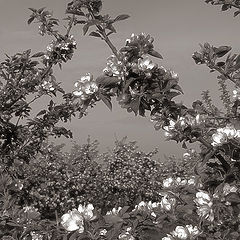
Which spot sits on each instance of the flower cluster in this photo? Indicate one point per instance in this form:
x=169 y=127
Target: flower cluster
x=114 y=211
x=146 y=206
x=126 y=235
x=47 y=86
x=79 y=5
x=142 y=43
x=167 y=203
x=171 y=182
x=227 y=189
x=144 y=65
x=224 y=134
x=36 y=236
x=74 y=220
x=181 y=123
x=183 y=233
x=86 y=87
x=236 y=94
x=116 y=67
x=204 y=204
x=60 y=50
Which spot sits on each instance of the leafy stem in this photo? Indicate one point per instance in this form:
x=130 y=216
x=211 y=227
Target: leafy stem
x=104 y=35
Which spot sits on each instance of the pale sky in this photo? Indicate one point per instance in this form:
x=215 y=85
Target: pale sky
x=178 y=26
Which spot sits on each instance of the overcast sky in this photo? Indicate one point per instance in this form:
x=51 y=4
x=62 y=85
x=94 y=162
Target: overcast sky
x=178 y=26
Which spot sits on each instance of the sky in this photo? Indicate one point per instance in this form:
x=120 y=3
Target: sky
x=177 y=27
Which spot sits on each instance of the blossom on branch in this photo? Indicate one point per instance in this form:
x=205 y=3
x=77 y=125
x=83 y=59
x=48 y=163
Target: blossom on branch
x=86 y=87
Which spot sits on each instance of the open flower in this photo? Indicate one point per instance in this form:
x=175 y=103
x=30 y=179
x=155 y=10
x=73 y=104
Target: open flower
x=236 y=94
x=167 y=203
x=86 y=86
x=168 y=182
x=87 y=211
x=229 y=130
x=204 y=204
x=114 y=211
x=126 y=235
x=206 y=212
x=103 y=232
x=193 y=231
x=218 y=139
x=203 y=198
x=227 y=188
x=174 y=75
x=48 y=86
x=145 y=65
x=223 y=134
x=180 y=232
x=168 y=237
x=73 y=220
x=116 y=67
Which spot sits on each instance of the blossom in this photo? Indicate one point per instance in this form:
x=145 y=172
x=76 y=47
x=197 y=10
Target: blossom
x=236 y=94
x=203 y=198
x=204 y=204
x=186 y=156
x=180 y=232
x=191 y=181
x=229 y=130
x=170 y=129
x=168 y=182
x=168 y=237
x=86 y=86
x=36 y=236
x=206 y=212
x=196 y=121
x=114 y=211
x=141 y=42
x=193 y=231
x=179 y=181
x=116 y=67
x=72 y=221
x=91 y=88
x=46 y=85
x=126 y=235
x=150 y=206
x=30 y=209
x=87 y=211
x=103 y=232
x=174 y=75
x=167 y=203
x=227 y=188
x=223 y=134
x=145 y=65
x=218 y=139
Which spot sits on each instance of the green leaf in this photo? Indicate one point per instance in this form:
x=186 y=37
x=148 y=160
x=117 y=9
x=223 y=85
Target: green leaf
x=39 y=54
x=41 y=9
x=95 y=34
x=30 y=20
x=106 y=99
x=112 y=219
x=225 y=7
x=41 y=112
x=85 y=29
x=221 y=51
x=155 y=54
x=33 y=10
x=233 y=198
x=121 y=17
x=107 y=81
x=134 y=105
x=236 y=13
